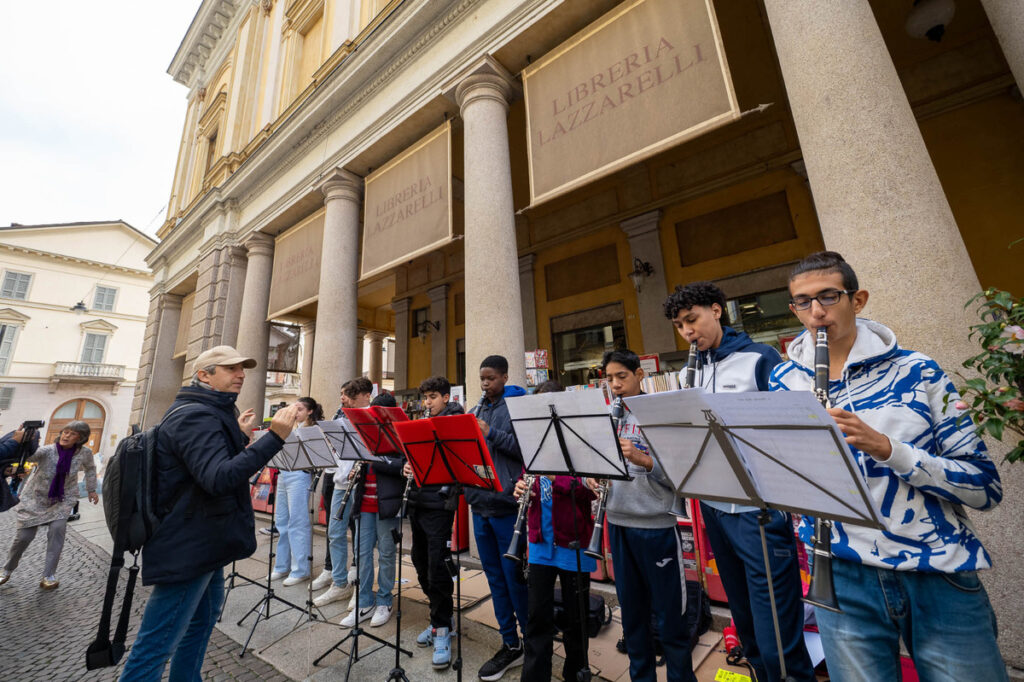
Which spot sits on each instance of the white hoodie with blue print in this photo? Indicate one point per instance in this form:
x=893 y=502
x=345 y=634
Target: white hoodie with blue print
x=937 y=466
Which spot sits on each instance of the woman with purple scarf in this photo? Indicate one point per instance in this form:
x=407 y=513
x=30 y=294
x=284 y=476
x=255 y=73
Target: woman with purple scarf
x=48 y=496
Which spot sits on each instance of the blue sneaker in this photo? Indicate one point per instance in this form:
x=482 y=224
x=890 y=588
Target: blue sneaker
x=442 y=648
x=425 y=638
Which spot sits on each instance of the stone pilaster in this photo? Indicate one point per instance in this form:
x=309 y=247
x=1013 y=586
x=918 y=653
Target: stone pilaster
x=308 y=337
x=494 y=310
x=645 y=244
x=401 y=308
x=254 y=330
x=159 y=375
x=439 y=337
x=360 y=351
x=526 y=286
x=376 y=349
x=1007 y=19
x=217 y=305
x=880 y=204
x=334 y=347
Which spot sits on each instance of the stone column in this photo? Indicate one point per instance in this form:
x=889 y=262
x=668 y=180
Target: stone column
x=163 y=373
x=376 y=339
x=529 y=301
x=1007 y=19
x=360 y=350
x=401 y=308
x=334 y=348
x=253 y=329
x=494 y=309
x=308 y=337
x=880 y=204
x=644 y=243
x=439 y=337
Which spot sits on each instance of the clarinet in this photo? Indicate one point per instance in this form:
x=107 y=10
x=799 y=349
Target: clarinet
x=357 y=471
x=516 y=549
x=694 y=363
x=822 y=592
x=593 y=549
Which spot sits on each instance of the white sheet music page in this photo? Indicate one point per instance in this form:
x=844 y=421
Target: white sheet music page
x=823 y=477
x=676 y=447
x=531 y=420
x=316 y=448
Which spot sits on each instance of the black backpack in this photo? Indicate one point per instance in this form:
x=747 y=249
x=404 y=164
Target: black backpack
x=129 y=505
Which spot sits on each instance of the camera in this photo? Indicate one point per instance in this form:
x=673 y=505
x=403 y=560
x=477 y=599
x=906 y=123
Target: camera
x=33 y=424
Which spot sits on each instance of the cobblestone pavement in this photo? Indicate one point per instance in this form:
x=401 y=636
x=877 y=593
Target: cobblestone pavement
x=44 y=634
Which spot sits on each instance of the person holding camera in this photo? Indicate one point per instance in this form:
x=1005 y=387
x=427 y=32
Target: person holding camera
x=203 y=462
x=48 y=495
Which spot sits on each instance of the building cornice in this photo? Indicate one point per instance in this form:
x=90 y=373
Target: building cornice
x=14 y=248
x=208 y=27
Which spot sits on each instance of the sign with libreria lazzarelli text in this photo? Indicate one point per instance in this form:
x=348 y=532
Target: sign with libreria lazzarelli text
x=409 y=204
x=644 y=77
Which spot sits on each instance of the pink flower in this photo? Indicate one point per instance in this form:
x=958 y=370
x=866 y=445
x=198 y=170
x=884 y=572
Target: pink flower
x=960 y=405
x=1014 y=336
x=1014 y=404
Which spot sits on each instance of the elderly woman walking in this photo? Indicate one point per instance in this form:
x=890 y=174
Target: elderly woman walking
x=48 y=496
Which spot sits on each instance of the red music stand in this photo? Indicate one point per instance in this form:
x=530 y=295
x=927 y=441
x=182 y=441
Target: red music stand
x=450 y=451
x=376 y=427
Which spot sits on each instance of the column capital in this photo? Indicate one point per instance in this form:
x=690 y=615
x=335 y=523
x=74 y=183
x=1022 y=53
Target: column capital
x=339 y=183
x=259 y=244
x=400 y=305
x=526 y=263
x=308 y=327
x=170 y=301
x=641 y=224
x=484 y=79
x=438 y=294
x=375 y=336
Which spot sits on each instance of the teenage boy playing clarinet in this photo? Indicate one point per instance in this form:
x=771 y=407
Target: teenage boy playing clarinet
x=431 y=513
x=916 y=579
x=732 y=362
x=649 y=575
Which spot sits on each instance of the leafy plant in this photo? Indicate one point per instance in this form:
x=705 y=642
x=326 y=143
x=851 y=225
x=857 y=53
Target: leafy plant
x=995 y=399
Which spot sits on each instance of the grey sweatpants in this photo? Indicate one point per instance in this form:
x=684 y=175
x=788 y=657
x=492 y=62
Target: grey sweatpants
x=54 y=545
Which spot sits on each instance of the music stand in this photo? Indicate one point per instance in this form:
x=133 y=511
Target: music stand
x=307 y=449
x=570 y=434
x=450 y=450
x=362 y=435
x=230 y=577
x=771 y=450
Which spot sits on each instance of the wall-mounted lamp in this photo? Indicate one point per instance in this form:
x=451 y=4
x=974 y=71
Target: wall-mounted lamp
x=641 y=269
x=79 y=308
x=427 y=327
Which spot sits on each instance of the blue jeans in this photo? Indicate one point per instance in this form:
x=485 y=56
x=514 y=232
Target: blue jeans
x=177 y=623
x=945 y=620
x=736 y=542
x=376 y=532
x=336 y=531
x=508 y=595
x=291 y=516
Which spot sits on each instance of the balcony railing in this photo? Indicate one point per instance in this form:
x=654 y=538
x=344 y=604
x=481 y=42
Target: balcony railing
x=88 y=371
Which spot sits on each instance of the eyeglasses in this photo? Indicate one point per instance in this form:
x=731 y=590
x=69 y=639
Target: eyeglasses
x=825 y=298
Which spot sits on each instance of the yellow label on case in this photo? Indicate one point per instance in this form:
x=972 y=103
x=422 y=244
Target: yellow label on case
x=729 y=676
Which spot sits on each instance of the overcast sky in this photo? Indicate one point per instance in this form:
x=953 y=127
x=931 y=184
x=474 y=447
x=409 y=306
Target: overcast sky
x=90 y=120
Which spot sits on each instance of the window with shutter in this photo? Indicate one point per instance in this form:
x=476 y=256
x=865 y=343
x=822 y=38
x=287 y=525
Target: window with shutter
x=7 y=334
x=92 y=351
x=15 y=285
x=104 y=299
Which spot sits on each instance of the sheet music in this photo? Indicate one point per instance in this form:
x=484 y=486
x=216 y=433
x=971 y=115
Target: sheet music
x=589 y=438
x=345 y=441
x=315 y=447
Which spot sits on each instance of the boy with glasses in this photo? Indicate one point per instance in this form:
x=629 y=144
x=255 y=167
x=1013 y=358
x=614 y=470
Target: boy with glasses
x=916 y=579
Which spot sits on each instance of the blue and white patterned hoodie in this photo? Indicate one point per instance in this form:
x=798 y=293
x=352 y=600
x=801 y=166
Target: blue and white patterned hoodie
x=937 y=467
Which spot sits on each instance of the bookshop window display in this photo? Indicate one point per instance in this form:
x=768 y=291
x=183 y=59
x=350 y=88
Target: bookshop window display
x=765 y=317
x=578 y=352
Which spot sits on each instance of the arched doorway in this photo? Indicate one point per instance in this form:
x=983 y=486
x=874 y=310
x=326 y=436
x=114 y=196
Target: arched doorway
x=83 y=409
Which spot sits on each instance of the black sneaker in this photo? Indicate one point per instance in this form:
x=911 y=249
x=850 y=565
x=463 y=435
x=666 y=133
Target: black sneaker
x=506 y=658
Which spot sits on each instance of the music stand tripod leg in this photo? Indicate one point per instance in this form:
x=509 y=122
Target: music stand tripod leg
x=762 y=520
x=398 y=672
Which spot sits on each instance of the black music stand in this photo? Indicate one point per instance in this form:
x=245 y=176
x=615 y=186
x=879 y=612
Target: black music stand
x=452 y=451
x=761 y=449
x=306 y=449
x=351 y=438
x=230 y=577
x=570 y=434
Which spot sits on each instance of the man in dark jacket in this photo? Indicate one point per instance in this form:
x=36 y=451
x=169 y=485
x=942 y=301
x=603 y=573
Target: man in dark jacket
x=494 y=516
x=431 y=513
x=203 y=469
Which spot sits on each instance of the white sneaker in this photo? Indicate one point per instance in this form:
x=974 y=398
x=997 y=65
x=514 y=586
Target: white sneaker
x=323 y=580
x=352 y=574
x=277 y=575
x=349 y=621
x=295 y=580
x=352 y=602
x=381 y=615
x=333 y=594
x=5 y=575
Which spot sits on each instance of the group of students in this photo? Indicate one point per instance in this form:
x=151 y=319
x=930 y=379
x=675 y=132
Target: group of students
x=915 y=580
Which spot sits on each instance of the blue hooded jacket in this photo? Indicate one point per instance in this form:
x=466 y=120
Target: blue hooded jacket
x=505 y=453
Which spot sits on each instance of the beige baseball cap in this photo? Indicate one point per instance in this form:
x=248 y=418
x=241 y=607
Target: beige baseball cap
x=222 y=356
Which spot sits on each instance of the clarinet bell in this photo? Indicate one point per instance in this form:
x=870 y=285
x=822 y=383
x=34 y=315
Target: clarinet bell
x=821 y=593
x=593 y=550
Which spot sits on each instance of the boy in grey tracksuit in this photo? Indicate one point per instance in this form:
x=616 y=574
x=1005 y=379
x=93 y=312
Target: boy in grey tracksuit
x=649 y=575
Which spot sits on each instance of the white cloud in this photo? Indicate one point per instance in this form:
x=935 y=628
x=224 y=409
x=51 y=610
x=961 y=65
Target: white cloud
x=90 y=120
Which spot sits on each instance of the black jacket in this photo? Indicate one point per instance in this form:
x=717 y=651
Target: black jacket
x=435 y=496
x=203 y=470
x=390 y=486
x=505 y=453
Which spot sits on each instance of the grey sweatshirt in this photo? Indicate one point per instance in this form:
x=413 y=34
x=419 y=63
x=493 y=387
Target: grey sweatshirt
x=645 y=501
